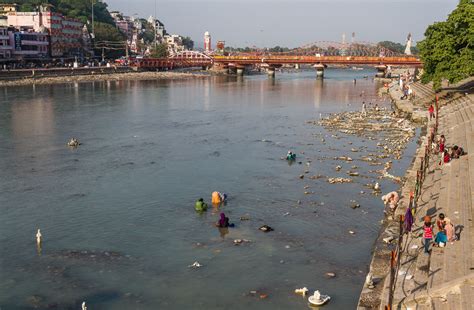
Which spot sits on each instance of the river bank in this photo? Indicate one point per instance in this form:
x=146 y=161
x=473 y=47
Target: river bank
x=126 y=76
x=375 y=293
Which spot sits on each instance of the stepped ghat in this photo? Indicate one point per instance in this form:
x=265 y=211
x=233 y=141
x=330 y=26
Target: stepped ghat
x=444 y=279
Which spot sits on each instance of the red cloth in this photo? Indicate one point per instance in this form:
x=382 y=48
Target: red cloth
x=431 y=109
x=446 y=158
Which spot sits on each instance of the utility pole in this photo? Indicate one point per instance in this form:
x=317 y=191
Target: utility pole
x=92 y=18
x=126 y=49
x=103 y=55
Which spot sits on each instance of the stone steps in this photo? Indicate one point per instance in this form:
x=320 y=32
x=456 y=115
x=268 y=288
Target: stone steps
x=453 y=183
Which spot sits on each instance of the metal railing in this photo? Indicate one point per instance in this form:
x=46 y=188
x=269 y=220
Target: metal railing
x=420 y=177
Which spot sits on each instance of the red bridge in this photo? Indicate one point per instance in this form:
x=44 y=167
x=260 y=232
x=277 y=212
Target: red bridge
x=270 y=62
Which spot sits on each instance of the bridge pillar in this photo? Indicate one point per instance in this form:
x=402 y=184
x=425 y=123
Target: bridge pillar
x=271 y=72
x=381 y=70
x=297 y=66
x=319 y=70
x=232 y=70
x=240 y=71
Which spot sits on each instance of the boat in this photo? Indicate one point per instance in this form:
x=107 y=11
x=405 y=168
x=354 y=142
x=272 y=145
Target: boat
x=317 y=299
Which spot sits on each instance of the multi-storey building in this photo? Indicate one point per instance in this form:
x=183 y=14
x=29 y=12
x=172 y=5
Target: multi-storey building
x=65 y=33
x=174 y=43
x=6 y=47
x=160 y=30
x=29 y=44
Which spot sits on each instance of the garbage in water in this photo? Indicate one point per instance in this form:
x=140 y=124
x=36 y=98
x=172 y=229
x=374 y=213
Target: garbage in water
x=266 y=228
x=302 y=291
x=195 y=265
x=318 y=299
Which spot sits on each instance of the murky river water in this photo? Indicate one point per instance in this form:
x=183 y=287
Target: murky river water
x=117 y=214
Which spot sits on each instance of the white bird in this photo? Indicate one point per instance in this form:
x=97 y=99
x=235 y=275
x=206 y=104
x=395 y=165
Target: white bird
x=84 y=305
x=38 y=236
x=376 y=186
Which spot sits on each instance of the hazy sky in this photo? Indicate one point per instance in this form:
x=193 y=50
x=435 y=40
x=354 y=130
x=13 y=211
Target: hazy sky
x=291 y=23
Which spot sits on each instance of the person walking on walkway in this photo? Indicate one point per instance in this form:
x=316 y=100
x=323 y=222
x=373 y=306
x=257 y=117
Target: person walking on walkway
x=427 y=236
x=431 y=111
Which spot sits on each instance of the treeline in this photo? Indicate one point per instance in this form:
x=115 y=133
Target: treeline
x=448 y=48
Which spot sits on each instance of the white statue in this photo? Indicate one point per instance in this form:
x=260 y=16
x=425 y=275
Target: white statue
x=408 y=47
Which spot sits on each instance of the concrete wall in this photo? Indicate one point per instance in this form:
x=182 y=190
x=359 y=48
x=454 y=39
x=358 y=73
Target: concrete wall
x=40 y=73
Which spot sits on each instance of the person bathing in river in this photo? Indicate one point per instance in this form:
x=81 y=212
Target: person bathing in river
x=200 y=205
x=290 y=155
x=224 y=222
x=391 y=199
x=217 y=197
x=364 y=109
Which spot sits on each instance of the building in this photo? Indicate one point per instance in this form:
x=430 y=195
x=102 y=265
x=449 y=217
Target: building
x=22 y=44
x=160 y=30
x=174 y=43
x=6 y=8
x=207 y=42
x=6 y=47
x=29 y=44
x=65 y=33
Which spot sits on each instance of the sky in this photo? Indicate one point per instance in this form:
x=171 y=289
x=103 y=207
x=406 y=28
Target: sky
x=291 y=23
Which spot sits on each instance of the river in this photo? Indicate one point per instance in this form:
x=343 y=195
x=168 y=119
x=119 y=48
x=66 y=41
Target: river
x=117 y=213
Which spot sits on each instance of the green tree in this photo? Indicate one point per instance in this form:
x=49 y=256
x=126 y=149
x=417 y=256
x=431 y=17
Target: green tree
x=160 y=51
x=448 y=48
x=393 y=46
x=188 y=43
x=110 y=39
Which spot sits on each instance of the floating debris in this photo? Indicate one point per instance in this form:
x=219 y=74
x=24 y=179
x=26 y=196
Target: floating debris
x=302 y=291
x=330 y=275
x=339 y=180
x=195 y=265
x=240 y=241
x=266 y=228
x=338 y=168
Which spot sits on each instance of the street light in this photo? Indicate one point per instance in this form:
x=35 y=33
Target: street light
x=92 y=18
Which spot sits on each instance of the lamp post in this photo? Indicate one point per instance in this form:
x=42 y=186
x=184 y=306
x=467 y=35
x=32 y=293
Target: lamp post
x=92 y=18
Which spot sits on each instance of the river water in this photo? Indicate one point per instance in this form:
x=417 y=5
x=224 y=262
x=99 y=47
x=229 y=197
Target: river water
x=117 y=213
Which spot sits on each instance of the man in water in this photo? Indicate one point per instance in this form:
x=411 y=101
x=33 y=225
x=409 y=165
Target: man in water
x=364 y=109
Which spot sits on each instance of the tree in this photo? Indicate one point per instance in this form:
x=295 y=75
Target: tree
x=393 y=46
x=188 y=43
x=160 y=51
x=448 y=48
x=110 y=39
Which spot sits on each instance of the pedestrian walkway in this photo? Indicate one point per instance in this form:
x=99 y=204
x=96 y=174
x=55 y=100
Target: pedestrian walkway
x=443 y=279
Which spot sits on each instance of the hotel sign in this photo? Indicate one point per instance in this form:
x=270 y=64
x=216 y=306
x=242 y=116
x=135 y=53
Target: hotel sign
x=17 y=39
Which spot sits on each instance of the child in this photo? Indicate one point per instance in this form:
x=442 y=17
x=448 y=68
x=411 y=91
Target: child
x=427 y=236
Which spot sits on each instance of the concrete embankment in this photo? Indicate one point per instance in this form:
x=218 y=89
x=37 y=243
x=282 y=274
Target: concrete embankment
x=70 y=75
x=438 y=280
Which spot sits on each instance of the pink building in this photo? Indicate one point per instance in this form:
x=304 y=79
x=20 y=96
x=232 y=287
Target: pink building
x=65 y=33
